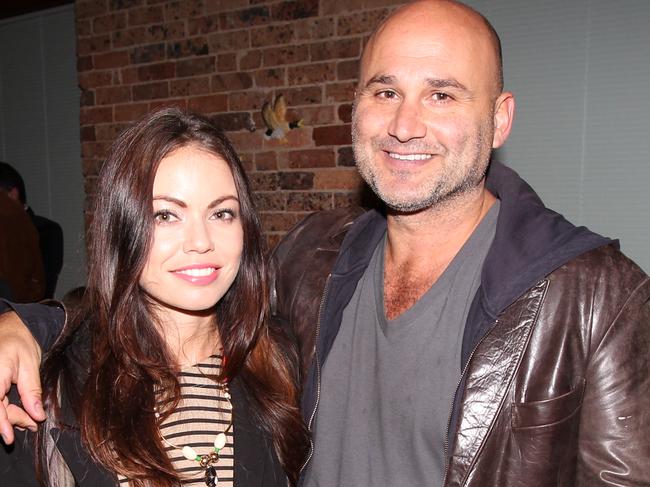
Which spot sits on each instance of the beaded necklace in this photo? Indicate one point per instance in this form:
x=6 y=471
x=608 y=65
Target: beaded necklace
x=207 y=460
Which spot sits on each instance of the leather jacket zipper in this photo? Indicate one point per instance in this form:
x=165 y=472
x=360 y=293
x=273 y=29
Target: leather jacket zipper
x=318 y=374
x=451 y=411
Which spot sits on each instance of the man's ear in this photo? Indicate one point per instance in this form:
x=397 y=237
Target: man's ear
x=504 y=114
x=14 y=194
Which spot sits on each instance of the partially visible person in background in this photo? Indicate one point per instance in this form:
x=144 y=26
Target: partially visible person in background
x=50 y=234
x=21 y=269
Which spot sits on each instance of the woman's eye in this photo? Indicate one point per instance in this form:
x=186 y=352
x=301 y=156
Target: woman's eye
x=224 y=215
x=164 y=216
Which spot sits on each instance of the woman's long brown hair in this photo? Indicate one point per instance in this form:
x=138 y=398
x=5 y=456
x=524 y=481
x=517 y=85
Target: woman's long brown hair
x=125 y=356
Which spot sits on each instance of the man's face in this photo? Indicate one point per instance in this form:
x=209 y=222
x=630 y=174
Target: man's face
x=423 y=124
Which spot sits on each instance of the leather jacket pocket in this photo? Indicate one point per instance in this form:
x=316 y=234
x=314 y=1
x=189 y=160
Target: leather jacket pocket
x=548 y=412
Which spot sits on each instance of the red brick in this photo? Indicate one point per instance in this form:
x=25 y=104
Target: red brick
x=231 y=82
x=244 y=18
x=94 y=149
x=184 y=9
x=90 y=8
x=93 y=115
x=123 y=4
x=196 y=46
x=263 y=181
x=294 y=9
x=203 y=25
x=347 y=70
x=209 y=103
x=87 y=98
x=151 y=91
x=165 y=32
x=195 y=66
x=345 y=113
x=93 y=79
x=130 y=37
x=270 y=201
x=151 y=14
x=148 y=54
x=132 y=111
x=349 y=199
x=266 y=161
x=312 y=73
x=309 y=95
x=277 y=56
x=309 y=201
x=338 y=6
x=315 y=28
x=87 y=133
x=250 y=60
x=271 y=77
x=273 y=239
x=311 y=158
x=246 y=141
x=229 y=41
x=113 y=94
x=333 y=135
x=360 y=23
x=270 y=35
x=338 y=178
x=128 y=75
x=111 y=60
x=226 y=62
x=158 y=71
x=234 y=121
x=109 y=131
x=190 y=86
x=84 y=63
x=345 y=157
x=296 y=180
x=180 y=103
x=212 y=6
x=315 y=115
x=83 y=27
x=109 y=23
x=294 y=139
x=338 y=92
x=94 y=44
x=338 y=49
x=247 y=100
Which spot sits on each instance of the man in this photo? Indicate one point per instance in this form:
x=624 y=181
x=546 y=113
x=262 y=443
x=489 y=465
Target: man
x=21 y=271
x=469 y=336
x=50 y=234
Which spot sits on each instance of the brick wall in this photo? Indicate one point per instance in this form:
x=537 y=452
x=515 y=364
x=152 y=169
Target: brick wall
x=227 y=58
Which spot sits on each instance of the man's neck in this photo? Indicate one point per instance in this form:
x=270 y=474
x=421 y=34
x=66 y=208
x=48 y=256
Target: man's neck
x=421 y=245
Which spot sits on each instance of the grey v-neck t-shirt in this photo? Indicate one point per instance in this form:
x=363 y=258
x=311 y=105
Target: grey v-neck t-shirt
x=387 y=385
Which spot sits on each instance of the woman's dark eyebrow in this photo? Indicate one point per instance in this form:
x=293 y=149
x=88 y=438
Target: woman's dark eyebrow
x=182 y=204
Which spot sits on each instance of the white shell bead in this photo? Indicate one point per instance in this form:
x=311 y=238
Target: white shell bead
x=189 y=453
x=220 y=441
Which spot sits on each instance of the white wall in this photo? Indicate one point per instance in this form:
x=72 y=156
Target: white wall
x=580 y=72
x=39 y=123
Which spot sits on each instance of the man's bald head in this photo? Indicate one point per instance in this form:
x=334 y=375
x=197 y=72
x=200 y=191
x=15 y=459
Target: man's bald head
x=453 y=10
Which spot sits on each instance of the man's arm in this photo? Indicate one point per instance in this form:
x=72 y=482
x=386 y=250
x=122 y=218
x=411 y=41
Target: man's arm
x=20 y=358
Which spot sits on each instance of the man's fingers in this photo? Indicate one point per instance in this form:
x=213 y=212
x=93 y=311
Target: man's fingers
x=30 y=396
x=20 y=419
x=6 y=430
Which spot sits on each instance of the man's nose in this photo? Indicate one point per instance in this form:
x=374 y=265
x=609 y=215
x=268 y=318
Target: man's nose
x=407 y=122
x=198 y=238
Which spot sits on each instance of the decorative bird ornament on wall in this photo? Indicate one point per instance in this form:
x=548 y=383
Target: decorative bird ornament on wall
x=274 y=115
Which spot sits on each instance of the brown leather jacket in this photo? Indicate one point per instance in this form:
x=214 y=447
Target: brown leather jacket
x=556 y=355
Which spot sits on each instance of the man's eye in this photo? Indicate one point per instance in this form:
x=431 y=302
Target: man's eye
x=441 y=96
x=388 y=94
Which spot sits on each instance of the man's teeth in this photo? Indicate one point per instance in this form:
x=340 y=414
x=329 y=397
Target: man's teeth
x=202 y=272
x=410 y=157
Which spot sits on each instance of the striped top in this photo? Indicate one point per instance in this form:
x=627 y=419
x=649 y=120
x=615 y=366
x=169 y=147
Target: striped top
x=202 y=413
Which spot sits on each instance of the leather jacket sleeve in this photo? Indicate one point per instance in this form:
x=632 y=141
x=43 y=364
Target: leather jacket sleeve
x=45 y=320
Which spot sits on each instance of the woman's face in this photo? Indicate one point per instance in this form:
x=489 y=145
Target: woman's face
x=198 y=236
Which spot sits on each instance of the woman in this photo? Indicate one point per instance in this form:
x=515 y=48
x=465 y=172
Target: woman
x=170 y=372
